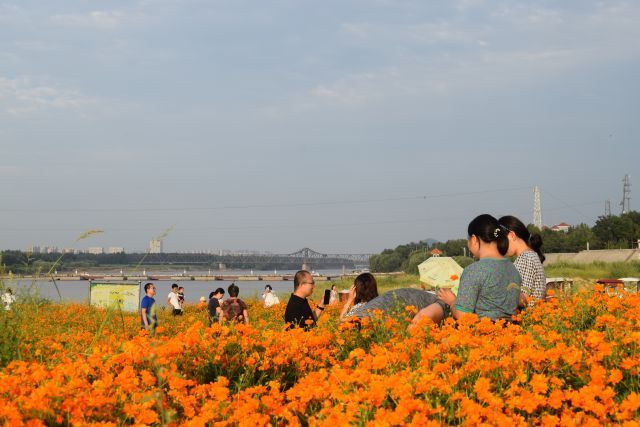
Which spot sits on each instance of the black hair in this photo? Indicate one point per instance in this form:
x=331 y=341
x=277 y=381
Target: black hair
x=219 y=291
x=486 y=228
x=174 y=286
x=534 y=241
x=147 y=286
x=233 y=290
x=299 y=277
x=268 y=286
x=211 y=294
x=366 y=288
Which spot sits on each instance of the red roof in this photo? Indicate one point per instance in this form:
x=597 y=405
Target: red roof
x=436 y=251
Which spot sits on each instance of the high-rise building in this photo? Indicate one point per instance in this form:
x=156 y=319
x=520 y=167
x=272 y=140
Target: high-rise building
x=95 y=250
x=116 y=250
x=155 y=246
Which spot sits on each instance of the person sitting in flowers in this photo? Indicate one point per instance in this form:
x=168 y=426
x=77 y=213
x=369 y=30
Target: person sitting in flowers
x=527 y=248
x=364 y=300
x=298 y=312
x=364 y=289
x=490 y=287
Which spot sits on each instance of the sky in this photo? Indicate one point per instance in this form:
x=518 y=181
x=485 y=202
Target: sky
x=344 y=126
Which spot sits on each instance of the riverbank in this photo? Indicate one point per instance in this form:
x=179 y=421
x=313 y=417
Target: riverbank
x=187 y=277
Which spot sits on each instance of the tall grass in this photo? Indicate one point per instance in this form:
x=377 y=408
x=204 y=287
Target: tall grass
x=594 y=270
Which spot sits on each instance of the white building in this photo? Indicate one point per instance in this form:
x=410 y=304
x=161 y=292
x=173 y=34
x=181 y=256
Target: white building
x=116 y=250
x=33 y=249
x=155 y=246
x=95 y=250
x=563 y=226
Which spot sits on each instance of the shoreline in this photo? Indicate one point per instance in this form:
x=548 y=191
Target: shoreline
x=182 y=278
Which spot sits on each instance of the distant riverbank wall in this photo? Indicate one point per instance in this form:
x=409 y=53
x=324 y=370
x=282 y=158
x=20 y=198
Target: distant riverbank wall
x=586 y=257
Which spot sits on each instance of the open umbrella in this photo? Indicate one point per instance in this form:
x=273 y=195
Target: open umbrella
x=441 y=272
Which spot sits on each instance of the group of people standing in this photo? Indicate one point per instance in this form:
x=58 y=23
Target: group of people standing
x=491 y=287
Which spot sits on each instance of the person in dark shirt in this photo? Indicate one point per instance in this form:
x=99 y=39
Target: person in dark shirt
x=234 y=309
x=214 y=306
x=298 y=312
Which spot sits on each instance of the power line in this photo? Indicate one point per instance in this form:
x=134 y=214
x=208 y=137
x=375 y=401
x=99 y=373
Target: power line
x=270 y=206
x=278 y=226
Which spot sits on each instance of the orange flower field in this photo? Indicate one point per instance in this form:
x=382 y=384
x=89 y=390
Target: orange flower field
x=568 y=362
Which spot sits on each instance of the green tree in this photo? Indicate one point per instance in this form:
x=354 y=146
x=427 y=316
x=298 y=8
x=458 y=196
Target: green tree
x=416 y=258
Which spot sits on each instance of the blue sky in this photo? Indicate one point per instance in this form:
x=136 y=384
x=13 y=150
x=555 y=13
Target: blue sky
x=279 y=125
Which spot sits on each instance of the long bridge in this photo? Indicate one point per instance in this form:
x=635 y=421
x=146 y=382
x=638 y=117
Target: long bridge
x=303 y=257
x=310 y=254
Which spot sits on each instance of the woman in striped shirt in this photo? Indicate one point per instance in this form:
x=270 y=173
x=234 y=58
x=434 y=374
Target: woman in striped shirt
x=527 y=248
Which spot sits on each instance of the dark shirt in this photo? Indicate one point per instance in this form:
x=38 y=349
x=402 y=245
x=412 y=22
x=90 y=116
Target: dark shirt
x=298 y=313
x=213 y=309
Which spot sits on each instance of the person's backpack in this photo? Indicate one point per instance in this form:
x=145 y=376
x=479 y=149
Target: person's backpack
x=233 y=310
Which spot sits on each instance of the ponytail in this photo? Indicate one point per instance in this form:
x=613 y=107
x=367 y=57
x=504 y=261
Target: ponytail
x=511 y=223
x=535 y=243
x=488 y=229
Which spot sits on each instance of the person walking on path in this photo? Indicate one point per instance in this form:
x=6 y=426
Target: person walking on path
x=234 y=309
x=148 y=318
x=298 y=313
x=173 y=300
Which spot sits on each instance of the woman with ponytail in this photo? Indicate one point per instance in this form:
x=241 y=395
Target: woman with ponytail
x=490 y=287
x=527 y=248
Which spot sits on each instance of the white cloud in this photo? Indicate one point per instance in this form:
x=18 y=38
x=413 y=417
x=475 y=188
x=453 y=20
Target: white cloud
x=99 y=19
x=23 y=95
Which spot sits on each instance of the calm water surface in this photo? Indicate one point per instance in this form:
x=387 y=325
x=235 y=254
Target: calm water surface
x=78 y=290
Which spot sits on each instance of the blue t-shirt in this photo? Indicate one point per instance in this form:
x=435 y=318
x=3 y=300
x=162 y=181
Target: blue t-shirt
x=490 y=288
x=150 y=304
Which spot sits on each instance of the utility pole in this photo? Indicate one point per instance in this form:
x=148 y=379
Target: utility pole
x=607 y=208
x=537 y=209
x=626 y=194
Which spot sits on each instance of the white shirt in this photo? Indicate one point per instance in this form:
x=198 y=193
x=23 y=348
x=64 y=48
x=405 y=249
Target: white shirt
x=173 y=300
x=8 y=299
x=270 y=299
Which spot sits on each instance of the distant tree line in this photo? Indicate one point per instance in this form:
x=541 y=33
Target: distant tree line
x=609 y=232
x=21 y=262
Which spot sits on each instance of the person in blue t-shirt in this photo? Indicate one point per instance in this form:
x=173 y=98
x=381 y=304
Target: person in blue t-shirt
x=148 y=318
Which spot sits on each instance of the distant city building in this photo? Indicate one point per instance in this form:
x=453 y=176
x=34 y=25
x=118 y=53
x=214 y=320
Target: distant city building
x=49 y=250
x=116 y=250
x=563 y=226
x=155 y=246
x=96 y=250
x=34 y=249
x=68 y=251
